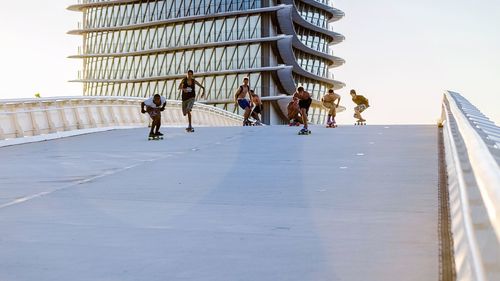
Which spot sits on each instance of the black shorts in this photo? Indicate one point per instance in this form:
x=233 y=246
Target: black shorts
x=258 y=109
x=305 y=104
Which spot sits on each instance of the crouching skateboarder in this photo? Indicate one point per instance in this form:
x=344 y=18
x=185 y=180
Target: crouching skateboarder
x=154 y=106
x=305 y=101
x=328 y=102
x=361 y=105
x=257 y=110
x=294 y=112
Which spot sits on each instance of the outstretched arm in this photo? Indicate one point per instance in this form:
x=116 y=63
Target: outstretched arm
x=338 y=101
x=201 y=86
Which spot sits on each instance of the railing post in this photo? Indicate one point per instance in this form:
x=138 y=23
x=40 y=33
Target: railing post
x=62 y=113
x=2 y=131
x=52 y=127
x=15 y=122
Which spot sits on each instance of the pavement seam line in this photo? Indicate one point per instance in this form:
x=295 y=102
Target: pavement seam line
x=106 y=173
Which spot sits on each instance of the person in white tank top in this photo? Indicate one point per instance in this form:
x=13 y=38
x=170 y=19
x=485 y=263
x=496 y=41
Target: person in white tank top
x=154 y=106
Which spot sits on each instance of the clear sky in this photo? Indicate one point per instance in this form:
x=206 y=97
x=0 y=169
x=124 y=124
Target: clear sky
x=400 y=54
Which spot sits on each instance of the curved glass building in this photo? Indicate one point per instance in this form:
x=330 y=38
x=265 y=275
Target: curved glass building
x=139 y=48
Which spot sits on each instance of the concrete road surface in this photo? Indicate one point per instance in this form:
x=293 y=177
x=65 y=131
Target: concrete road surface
x=223 y=204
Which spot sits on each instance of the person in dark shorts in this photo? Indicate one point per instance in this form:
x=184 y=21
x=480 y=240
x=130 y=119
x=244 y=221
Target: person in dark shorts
x=258 y=106
x=188 y=88
x=243 y=102
x=361 y=105
x=154 y=106
x=305 y=101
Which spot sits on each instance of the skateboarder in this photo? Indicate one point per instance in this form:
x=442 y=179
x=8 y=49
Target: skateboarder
x=361 y=105
x=188 y=88
x=243 y=102
x=294 y=112
x=154 y=106
x=258 y=106
x=328 y=101
x=305 y=101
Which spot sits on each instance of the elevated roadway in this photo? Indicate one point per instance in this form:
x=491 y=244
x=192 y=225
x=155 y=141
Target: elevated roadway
x=234 y=203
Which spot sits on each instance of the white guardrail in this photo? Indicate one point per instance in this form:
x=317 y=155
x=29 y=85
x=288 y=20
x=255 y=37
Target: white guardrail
x=472 y=147
x=33 y=117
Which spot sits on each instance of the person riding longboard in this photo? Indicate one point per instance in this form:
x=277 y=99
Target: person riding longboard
x=328 y=102
x=257 y=110
x=361 y=105
x=305 y=101
x=294 y=112
x=154 y=106
x=188 y=88
x=243 y=102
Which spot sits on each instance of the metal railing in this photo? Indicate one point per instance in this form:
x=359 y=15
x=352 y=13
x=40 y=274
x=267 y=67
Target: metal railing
x=472 y=157
x=33 y=117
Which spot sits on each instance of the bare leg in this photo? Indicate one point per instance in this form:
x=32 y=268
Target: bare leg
x=331 y=112
x=189 y=119
x=357 y=113
x=153 y=125
x=247 y=113
x=304 y=117
x=255 y=116
x=158 y=123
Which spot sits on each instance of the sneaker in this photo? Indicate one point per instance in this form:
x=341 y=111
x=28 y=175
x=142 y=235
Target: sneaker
x=151 y=135
x=158 y=134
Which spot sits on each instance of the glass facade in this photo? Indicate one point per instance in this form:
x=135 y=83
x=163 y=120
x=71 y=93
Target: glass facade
x=140 y=48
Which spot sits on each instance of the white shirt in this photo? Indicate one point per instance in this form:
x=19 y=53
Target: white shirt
x=149 y=102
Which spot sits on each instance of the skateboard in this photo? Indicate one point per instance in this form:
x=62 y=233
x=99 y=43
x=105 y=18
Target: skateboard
x=190 y=130
x=304 y=132
x=252 y=123
x=155 y=138
x=331 y=124
x=360 y=122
